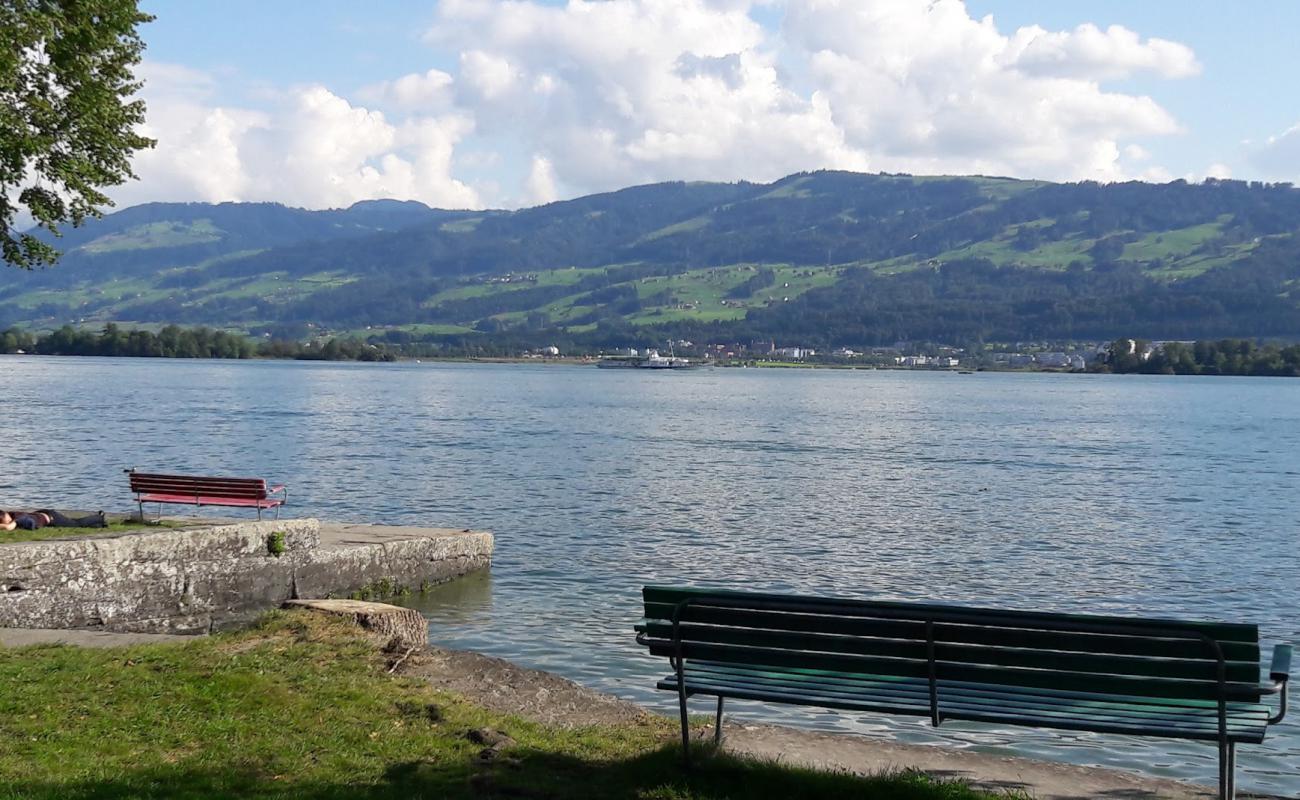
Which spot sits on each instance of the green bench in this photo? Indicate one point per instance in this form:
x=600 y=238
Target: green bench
x=1142 y=677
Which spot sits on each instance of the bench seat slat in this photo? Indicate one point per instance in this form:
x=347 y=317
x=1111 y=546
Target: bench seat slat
x=1248 y=728
x=952 y=693
x=1202 y=669
x=203 y=500
x=1242 y=725
x=974 y=693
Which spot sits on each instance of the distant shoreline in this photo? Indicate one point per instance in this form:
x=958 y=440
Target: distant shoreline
x=574 y=361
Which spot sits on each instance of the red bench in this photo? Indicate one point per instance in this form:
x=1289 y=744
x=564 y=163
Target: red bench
x=150 y=487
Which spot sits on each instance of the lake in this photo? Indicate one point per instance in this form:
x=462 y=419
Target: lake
x=1087 y=493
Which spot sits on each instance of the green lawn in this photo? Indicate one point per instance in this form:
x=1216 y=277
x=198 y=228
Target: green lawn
x=50 y=532
x=302 y=707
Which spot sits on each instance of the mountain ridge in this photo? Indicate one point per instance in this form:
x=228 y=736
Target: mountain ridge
x=828 y=256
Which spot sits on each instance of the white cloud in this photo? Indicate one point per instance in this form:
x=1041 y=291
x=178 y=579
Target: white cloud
x=427 y=92
x=314 y=150
x=540 y=184
x=613 y=93
x=1136 y=152
x=591 y=96
x=1279 y=155
x=1218 y=171
x=1090 y=53
x=926 y=88
x=489 y=76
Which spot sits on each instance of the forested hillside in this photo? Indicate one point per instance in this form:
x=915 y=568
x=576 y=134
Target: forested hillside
x=822 y=258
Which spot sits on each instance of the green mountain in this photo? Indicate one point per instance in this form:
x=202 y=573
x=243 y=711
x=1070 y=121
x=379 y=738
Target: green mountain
x=816 y=258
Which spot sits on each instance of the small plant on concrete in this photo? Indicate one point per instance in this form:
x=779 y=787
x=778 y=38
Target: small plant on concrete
x=275 y=544
x=381 y=589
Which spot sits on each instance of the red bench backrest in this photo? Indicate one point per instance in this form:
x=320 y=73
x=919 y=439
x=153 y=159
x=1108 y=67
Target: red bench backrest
x=242 y=488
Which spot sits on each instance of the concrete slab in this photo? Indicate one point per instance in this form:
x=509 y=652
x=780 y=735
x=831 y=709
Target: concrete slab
x=22 y=637
x=212 y=576
x=346 y=534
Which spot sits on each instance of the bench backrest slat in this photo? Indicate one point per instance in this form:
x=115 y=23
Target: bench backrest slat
x=1113 y=655
x=961 y=634
x=242 y=488
x=1103 y=663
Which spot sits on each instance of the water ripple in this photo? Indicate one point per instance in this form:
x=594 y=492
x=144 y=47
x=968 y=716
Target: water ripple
x=1154 y=496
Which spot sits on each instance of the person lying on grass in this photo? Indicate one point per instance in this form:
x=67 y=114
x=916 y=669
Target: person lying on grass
x=32 y=520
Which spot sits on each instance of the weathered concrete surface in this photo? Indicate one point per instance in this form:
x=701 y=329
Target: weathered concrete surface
x=196 y=579
x=360 y=555
x=398 y=627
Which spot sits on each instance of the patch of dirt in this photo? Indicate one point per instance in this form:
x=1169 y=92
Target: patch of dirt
x=506 y=688
x=552 y=700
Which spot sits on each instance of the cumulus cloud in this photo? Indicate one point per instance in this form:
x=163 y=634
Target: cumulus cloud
x=427 y=91
x=629 y=91
x=926 y=88
x=1280 y=154
x=316 y=149
x=1091 y=53
x=540 y=184
x=590 y=96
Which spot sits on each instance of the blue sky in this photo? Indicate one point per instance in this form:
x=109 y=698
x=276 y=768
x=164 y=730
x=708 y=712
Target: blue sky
x=474 y=103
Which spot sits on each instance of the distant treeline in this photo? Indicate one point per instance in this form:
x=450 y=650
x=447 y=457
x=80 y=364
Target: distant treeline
x=1223 y=357
x=176 y=342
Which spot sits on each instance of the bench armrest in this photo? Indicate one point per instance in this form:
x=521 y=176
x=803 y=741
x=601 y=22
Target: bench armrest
x=1280 y=671
x=284 y=495
x=1280 y=674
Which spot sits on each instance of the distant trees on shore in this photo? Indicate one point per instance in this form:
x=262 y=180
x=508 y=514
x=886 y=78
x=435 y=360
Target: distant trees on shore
x=1222 y=357
x=173 y=341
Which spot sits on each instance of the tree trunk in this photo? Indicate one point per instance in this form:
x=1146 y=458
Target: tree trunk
x=402 y=628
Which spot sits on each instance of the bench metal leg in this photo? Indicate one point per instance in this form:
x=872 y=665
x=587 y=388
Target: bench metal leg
x=686 y=728
x=717 y=724
x=1228 y=772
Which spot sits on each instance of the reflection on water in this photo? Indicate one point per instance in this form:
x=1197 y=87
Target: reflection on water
x=465 y=601
x=1126 y=494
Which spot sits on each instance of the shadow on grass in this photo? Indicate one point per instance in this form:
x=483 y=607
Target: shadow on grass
x=519 y=773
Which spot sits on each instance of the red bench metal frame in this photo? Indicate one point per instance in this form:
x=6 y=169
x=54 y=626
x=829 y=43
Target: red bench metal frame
x=191 y=490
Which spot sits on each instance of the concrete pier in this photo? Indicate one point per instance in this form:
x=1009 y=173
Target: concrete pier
x=218 y=574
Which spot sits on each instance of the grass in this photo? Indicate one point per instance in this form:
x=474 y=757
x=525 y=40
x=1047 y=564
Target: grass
x=50 y=532
x=461 y=225
x=1173 y=243
x=157 y=234
x=301 y=707
x=687 y=226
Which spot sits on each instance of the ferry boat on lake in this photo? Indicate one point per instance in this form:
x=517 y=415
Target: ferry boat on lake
x=651 y=360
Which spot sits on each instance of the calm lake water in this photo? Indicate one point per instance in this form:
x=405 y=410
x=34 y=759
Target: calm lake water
x=1112 y=494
